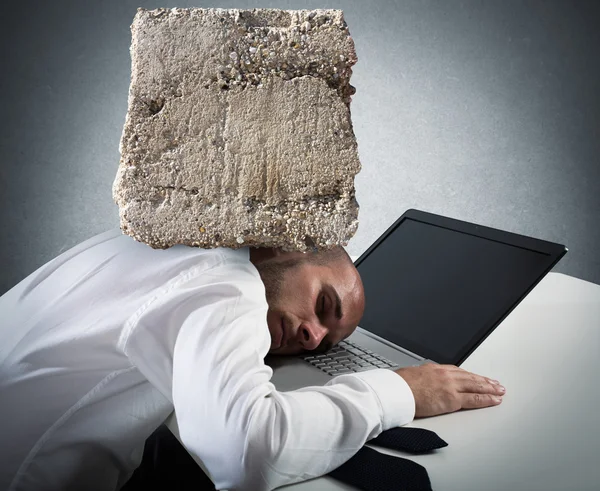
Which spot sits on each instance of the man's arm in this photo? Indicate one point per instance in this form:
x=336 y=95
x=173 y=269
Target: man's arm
x=203 y=345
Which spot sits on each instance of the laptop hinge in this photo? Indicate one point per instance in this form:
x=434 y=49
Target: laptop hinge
x=391 y=345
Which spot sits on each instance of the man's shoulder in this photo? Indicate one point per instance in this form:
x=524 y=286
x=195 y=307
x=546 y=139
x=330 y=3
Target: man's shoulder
x=229 y=265
x=236 y=264
x=181 y=257
x=233 y=255
x=231 y=259
x=158 y=270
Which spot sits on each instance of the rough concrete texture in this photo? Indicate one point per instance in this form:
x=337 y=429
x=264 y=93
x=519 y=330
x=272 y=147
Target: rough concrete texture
x=238 y=130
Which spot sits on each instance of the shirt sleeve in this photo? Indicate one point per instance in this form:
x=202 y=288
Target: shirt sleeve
x=203 y=343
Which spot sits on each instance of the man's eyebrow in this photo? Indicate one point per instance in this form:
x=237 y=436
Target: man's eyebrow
x=338 y=303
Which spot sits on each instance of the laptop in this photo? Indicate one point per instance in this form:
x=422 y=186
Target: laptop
x=435 y=288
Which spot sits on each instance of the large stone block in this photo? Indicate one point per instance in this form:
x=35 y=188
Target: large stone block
x=238 y=130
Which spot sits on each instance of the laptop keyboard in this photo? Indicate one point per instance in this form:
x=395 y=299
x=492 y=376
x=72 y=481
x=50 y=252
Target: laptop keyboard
x=348 y=357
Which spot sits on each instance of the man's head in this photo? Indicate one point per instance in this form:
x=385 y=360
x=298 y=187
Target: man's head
x=315 y=299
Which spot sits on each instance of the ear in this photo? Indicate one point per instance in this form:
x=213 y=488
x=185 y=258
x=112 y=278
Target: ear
x=280 y=254
x=260 y=254
x=277 y=252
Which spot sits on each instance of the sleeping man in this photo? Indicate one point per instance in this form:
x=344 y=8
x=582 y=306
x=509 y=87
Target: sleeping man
x=101 y=344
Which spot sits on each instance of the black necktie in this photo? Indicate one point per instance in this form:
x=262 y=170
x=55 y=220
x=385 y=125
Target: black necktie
x=371 y=470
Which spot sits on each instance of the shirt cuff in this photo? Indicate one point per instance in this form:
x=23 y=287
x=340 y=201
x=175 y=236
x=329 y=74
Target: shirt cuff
x=395 y=396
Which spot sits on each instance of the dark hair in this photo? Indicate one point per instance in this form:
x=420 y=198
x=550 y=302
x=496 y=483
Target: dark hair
x=271 y=271
x=322 y=258
x=319 y=258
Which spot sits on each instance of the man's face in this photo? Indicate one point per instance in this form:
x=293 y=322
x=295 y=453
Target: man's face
x=311 y=306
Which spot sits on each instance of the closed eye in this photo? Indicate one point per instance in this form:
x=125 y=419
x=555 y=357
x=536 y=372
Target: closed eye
x=321 y=306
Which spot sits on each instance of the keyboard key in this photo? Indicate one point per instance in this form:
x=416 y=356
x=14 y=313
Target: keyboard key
x=340 y=354
x=355 y=351
x=348 y=357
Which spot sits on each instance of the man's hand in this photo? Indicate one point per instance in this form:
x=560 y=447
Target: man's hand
x=440 y=389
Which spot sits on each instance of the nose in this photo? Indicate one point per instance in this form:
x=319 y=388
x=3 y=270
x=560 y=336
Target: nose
x=311 y=335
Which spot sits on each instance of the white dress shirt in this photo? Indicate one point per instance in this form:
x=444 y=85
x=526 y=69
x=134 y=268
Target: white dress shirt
x=98 y=346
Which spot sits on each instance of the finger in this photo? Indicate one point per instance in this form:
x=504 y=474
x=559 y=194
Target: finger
x=463 y=371
x=477 y=401
x=480 y=385
x=478 y=378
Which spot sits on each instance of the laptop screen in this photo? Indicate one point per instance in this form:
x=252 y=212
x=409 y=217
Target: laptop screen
x=438 y=291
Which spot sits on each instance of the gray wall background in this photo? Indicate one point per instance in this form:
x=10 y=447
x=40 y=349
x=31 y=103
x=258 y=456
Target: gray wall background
x=486 y=111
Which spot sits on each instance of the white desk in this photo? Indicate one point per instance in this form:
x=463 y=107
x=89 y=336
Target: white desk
x=546 y=434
